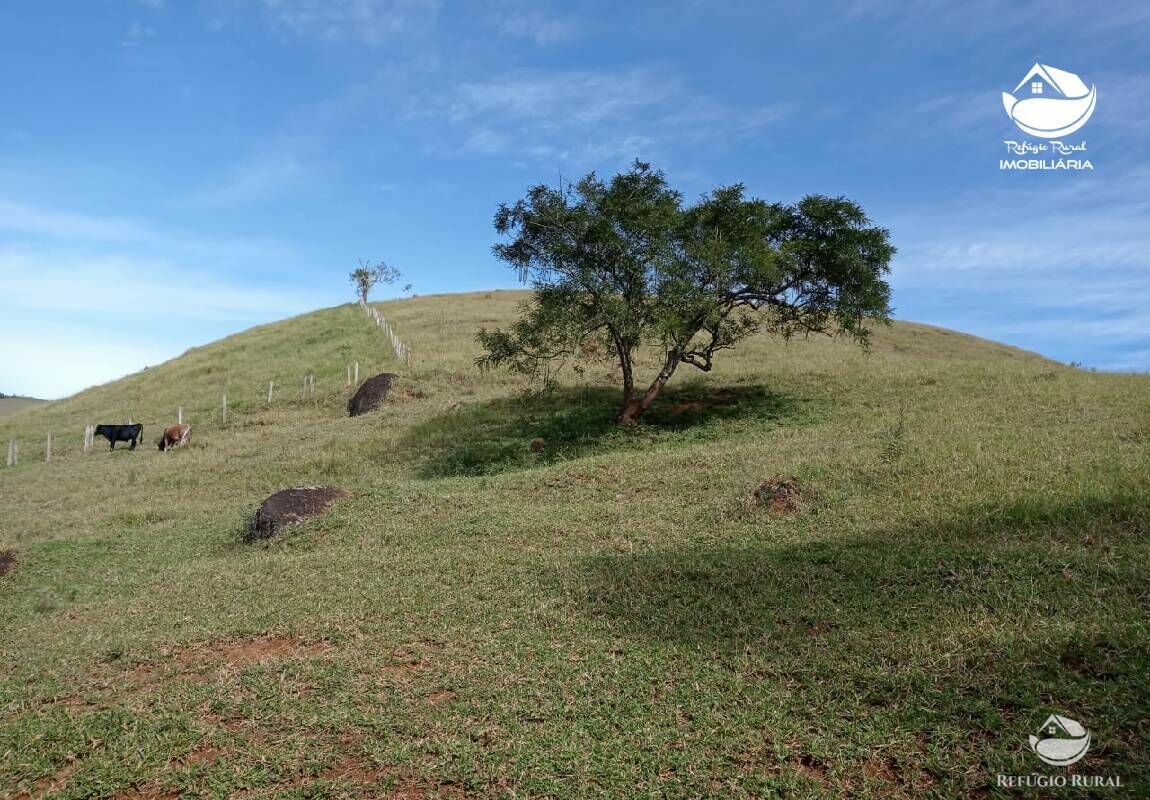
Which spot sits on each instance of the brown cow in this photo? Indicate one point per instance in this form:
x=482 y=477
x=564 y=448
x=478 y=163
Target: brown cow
x=174 y=435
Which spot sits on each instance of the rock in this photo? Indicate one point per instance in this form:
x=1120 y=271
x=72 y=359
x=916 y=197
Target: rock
x=370 y=394
x=290 y=507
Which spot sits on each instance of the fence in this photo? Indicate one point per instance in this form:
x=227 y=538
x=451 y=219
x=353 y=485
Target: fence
x=402 y=351
x=274 y=390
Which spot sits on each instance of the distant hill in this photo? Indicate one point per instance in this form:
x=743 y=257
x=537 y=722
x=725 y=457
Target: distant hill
x=10 y=404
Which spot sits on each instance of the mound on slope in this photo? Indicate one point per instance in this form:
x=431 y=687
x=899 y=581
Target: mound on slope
x=599 y=616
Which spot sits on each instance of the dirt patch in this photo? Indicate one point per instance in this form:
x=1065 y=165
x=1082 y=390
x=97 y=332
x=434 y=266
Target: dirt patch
x=192 y=664
x=204 y=754
x=366 y=777
x=778 y=495
x=441 y=696
x=253 y=651
x=290 y=507
x=811 y=768
x=7 y=562
x=404 y=667
x=354 y=770
x=49 y=784
x=686 y=408
x=371 y=394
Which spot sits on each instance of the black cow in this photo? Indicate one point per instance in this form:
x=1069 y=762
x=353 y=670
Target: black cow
x=121 y=433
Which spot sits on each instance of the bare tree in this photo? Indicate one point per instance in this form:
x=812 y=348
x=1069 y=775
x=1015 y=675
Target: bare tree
x=369 y=275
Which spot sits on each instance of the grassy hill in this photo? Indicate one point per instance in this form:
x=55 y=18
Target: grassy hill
x=10 y=404
x=612 y=614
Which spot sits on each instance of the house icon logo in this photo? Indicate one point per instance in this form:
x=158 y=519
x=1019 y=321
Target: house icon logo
x=1050 y=102
x=1060 y=741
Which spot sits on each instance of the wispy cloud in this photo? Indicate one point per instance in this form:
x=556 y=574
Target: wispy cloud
x=534 y=22
x=589 y=116
x=264 y=176
x=1066 y=270
x=984 y=19
x=136 y=34
x=99 y=296
x=62 y=280
x=370 y=22
x=71 y=227
x=73 y=319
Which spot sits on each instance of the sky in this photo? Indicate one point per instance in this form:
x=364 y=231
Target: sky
x=172 y=171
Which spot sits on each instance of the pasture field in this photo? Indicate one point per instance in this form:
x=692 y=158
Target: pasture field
x=609 y=614
x=10 y=405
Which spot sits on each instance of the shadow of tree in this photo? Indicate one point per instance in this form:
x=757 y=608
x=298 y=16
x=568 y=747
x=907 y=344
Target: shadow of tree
x=961 y=632
x=522 y=432
x=994 y=557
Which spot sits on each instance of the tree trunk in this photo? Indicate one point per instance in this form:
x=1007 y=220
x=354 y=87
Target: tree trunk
x=628 y=377
x=634 y=408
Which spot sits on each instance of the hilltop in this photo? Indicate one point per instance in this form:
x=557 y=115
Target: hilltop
x=609 y=613
x=11 y=403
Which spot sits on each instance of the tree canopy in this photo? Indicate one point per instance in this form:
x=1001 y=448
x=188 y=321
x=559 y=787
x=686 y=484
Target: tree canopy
x=621 y=265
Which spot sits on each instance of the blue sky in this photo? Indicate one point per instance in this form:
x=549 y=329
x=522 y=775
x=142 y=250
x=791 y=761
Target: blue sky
x=172 y=171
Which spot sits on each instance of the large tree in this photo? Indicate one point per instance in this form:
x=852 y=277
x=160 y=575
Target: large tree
x=622 y=265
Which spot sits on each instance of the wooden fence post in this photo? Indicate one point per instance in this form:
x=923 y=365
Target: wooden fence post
x=180 y=415
x=225 y=408
x=349 y=375
x=11 y=452
x=48 y=450
x=356 y=381
x=271 y=385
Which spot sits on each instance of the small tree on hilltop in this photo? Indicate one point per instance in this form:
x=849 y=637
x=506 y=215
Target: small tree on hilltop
x=621 y=265
x=368 y=276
